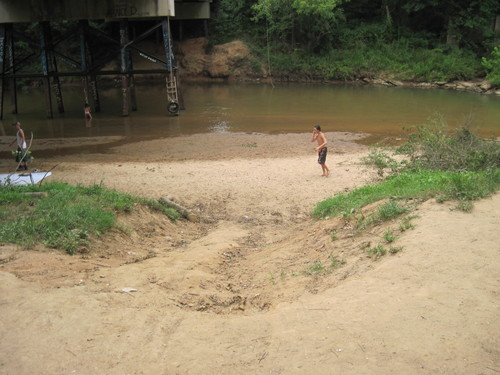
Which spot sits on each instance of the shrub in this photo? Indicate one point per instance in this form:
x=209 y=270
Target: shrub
x=492 y=66
x=432 y=147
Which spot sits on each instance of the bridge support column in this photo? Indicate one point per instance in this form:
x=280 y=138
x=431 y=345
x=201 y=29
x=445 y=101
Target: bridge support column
x=171 y=77
x=124 y=66
x=52 y=66
x=89 y=80
x=45 y=70
x=130 y=67
x=10 y=65
x=2 y=66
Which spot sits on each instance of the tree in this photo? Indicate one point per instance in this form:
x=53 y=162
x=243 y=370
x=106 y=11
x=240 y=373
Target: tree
x=299 y=23
x=465 y=23
x=232 y=19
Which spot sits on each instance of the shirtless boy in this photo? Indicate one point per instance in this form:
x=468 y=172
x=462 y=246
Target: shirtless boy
x=321 y=149
x=87 y=112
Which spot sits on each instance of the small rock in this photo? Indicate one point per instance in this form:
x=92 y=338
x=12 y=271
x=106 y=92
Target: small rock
x=129 y=290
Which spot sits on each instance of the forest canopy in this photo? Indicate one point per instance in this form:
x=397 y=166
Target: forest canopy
x=322 y=24
x=459 y=35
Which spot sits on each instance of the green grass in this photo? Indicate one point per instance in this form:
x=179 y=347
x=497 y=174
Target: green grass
x=376 y=252
x=423 y=184
x=315 y=269
x=389 y=236
x=66 y=216
x=406 y=223
x=460 y=167
x=318 y=268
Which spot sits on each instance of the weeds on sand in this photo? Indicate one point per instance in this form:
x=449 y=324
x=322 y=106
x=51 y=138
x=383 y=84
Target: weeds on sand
x=318 y=268
x=376 y=252
x=389 y=237
x=434 y=162
x=65 y=216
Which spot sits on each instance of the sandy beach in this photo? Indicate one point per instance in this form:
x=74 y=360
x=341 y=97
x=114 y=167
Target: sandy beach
x=237 y=292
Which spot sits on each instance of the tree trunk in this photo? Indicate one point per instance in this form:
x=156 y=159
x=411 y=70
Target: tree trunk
x=497 y=29
x=451 y=33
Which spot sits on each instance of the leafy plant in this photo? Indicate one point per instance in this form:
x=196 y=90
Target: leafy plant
x=389 y=236
x=394 y=250
x=315 y=269
x=406 y=223
x=376 y=252
x=431 y=146
x=382 y=161
x=391 y=210
x=492 y=66
x=385 y=212
x=335 y=262
x=318 y=267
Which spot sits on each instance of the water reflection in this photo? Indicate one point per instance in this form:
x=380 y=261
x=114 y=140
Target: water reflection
x=217 y=117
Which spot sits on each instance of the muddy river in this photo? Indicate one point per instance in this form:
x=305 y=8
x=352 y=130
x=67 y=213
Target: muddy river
x=262 y=108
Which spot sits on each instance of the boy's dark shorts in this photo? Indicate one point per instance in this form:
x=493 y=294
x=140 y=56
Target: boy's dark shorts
x=21 y=153
x=322 y=156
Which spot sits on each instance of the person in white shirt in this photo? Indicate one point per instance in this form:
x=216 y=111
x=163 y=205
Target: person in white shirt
x=21 y=147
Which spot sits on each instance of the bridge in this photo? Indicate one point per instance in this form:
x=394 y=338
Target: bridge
x=101 y=30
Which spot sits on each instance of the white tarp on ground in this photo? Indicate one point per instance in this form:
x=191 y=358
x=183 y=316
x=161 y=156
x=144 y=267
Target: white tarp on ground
x=23 y=178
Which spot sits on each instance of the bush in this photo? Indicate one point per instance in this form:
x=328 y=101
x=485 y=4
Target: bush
x=492 y=66
x=432 y=147
x=398 y=59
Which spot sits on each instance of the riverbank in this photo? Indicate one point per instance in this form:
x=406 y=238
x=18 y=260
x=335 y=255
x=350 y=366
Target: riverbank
x=197 y=61
x=249 y=288
x=234 y=61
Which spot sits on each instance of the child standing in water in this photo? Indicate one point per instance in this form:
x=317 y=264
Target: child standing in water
x=88 y=114
x=321 y=149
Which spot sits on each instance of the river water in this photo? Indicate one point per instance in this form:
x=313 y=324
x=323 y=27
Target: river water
x=253 y=107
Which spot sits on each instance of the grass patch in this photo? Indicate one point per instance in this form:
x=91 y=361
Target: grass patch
x=376 y=252
x=389 y=236
x=385 y=212
x=419 y=184
x=65 y=216
x=406 y=223
x=318 y=267
x=436 y=163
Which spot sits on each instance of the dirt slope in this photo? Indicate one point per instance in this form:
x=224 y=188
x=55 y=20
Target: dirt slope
x=240 y=291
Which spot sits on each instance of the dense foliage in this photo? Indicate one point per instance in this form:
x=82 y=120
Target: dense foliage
x=342 y=39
